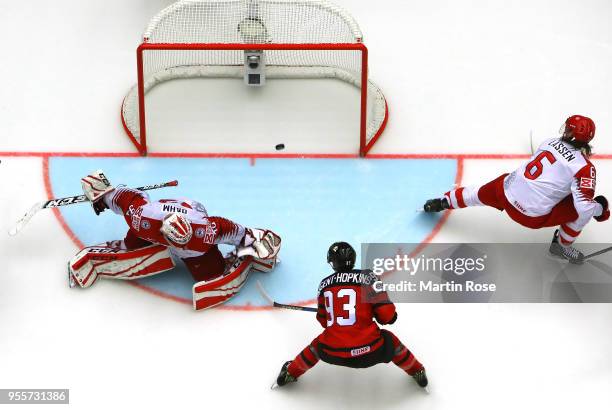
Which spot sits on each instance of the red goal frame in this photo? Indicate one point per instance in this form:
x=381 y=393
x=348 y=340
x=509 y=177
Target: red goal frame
x=364 y=147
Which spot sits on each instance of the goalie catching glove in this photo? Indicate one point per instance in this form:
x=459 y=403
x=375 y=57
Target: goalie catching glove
x=262 y=244
x=95 y=186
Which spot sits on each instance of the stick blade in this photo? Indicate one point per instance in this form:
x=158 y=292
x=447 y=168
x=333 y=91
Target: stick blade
x=26 y=218
x=265 y=294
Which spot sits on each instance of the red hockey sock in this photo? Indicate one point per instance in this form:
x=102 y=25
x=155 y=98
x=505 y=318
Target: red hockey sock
x=303 y=361
x=406 y=361
x=403 y=358
x=455 y=198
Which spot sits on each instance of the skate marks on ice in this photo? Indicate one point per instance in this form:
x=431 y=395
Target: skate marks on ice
x=591 y=281
x=309 y=202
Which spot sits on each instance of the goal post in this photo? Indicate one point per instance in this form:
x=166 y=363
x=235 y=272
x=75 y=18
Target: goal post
x=257 y=40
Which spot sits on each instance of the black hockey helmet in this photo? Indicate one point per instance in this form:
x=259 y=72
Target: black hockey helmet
x=341 y=256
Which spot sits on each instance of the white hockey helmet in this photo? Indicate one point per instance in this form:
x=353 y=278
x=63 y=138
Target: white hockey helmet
x=176 y=228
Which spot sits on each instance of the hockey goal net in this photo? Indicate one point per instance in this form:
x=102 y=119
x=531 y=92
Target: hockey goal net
x=299 y=39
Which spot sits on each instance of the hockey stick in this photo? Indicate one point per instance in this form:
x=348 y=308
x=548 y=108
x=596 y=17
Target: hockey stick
x=281 y=305
x=70 y=200
x=608 y=249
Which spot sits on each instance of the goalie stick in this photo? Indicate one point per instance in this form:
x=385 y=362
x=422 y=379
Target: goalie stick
x=282 y=305
x=70 y=200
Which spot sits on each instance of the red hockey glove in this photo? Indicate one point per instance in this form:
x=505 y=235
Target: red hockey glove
x=393 y=319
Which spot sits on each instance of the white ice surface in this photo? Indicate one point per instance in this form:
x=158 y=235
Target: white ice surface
x=460 y=76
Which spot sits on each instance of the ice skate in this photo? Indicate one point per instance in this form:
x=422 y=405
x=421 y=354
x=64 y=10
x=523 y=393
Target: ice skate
x=436 y=205
x=570 y=253
x=284 y=377
x=421 y=378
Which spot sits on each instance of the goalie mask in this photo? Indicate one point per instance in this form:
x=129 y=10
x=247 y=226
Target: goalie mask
x=341 y=256
x=176 y=228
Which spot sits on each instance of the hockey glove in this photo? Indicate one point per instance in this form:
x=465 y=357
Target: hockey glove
x=262 y=244
x=95 y=186
x=606 y=209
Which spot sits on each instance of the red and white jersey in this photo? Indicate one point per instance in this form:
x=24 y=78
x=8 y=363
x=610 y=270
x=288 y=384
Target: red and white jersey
x=145 y=217
x=555 y=171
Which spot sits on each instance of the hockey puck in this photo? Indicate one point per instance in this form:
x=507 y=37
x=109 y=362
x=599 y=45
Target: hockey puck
x=280 y=147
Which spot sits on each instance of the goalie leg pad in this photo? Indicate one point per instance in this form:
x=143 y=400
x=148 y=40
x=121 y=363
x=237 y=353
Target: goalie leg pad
x=116 y=263
x=207 y=294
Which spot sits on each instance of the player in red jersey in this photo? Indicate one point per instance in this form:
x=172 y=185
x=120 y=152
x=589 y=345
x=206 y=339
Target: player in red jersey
x=556 y=187
x=347 y=308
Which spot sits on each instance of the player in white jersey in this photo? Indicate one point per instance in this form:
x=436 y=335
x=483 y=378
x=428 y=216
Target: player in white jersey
x=555 y=188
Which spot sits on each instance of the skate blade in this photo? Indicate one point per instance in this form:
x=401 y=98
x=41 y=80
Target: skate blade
x=274 y=386
x=555 y=257
x=426 y=389
x=561 y=258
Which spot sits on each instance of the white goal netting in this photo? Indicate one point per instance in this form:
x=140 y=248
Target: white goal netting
x=188 y=35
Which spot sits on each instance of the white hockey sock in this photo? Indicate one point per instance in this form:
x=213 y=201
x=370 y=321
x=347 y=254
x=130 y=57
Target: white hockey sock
x=463 y=197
